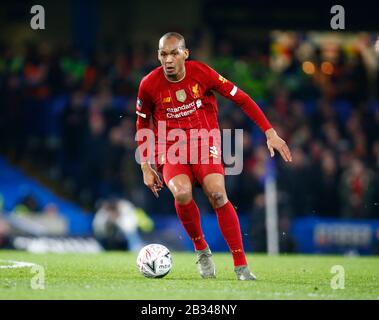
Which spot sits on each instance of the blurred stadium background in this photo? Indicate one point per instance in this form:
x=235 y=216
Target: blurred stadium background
x=67 y=121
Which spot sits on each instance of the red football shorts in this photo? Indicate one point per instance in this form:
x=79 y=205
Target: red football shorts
x=206 y=163
x=196 y=172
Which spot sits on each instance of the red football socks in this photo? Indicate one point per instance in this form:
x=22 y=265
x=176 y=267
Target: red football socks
x=230 y=229
x=189 y=215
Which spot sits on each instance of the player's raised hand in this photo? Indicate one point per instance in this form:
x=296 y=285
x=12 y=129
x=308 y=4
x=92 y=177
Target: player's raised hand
x=274 y=142
x=151 y=179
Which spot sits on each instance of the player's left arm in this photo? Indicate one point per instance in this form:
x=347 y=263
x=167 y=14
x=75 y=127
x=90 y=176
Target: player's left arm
x=252 y=110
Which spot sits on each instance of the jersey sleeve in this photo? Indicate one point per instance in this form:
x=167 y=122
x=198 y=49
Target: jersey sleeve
x=230 y=91
x=144 y=102
x=144 y=108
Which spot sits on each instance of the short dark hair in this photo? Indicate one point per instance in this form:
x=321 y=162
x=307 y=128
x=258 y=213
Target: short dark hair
x=174 y=35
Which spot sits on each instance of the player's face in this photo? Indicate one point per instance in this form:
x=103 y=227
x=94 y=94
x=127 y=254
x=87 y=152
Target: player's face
x=172 y=57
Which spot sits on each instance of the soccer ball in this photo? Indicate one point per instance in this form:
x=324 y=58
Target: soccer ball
x=154 y=261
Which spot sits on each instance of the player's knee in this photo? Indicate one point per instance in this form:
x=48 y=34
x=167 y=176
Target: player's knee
x=218 y=199
x=183 y=196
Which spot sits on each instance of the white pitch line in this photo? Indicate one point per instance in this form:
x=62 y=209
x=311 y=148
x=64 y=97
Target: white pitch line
x=16 y=264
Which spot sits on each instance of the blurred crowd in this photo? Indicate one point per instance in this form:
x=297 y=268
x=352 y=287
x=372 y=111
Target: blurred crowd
x=72 y=117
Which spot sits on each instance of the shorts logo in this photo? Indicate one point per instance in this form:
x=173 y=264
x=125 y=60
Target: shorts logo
x=196 y=91
x=139 y=104
x=213 y=152
x=181 y=95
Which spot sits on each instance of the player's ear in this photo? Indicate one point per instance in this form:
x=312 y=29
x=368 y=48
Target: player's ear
x=158 y=56
x=186 y=54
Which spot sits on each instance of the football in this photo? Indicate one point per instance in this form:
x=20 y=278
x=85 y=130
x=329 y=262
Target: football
x=154 y=261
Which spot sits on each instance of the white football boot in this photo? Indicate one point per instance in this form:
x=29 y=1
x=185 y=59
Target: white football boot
x=205 y=263
x=243 y=273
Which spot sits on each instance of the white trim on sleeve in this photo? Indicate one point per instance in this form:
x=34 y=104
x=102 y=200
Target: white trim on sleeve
x=234 y=91
x=143 y=115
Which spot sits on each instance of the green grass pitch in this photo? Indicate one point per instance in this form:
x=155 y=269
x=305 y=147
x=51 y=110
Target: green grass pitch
x=114 y=275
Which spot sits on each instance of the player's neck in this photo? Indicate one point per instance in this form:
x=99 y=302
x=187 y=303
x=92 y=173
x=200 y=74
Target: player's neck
x=178 y=77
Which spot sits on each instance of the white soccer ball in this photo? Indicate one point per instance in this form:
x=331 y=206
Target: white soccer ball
x=154 y=261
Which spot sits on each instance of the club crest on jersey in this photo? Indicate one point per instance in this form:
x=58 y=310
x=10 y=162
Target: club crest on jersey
x=196 y=91
x=181 y=95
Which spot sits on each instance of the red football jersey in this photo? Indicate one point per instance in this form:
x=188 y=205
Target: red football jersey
x=190 y=103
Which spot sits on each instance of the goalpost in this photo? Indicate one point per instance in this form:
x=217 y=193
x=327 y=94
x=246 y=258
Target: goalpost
x=272 y=234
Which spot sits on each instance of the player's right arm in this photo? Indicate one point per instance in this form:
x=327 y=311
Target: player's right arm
x=144 y=107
